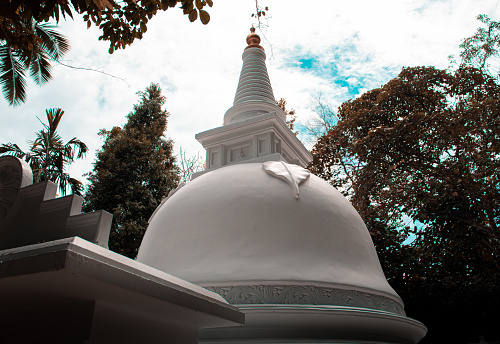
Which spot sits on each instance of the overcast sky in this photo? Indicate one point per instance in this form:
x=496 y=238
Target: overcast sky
x=339 y=49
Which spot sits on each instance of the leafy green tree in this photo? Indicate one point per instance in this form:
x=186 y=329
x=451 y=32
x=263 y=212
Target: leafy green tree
x=291 y=116
x=426 y=147
x=28 y=42
x=48 y=156
x=133 y=171
x=483 y=46
x=121 y=22
x=48 y=45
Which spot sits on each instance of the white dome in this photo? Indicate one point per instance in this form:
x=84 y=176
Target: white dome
x=239 y=227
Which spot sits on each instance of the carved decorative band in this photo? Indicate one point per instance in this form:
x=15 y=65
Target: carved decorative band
x=305 y=295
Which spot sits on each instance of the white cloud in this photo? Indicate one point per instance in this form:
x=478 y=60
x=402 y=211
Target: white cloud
x=197 y=66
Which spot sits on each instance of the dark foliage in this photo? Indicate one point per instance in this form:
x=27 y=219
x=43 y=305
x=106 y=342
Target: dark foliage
x=121 y=22
x=49 y=156
x=420 y=156
x=133 y=171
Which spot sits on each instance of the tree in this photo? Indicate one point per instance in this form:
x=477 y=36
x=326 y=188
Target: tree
x=426 y=147
x=47 y=45
x=482 y=46
x=325 y=118
x=28 y=42
x=121 y=22
x=189 y=165
x=48 y=156
x=291 y=116
x=133 y=171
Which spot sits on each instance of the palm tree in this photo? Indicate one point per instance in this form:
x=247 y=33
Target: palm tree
x=14 y=63
x=49 y=156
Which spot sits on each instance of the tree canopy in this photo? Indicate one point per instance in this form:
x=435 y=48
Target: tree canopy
x=121 y=22
x=420 y=155
x=483 y=46
x=133 y=171
x=48 y=156
x=291 y=116
x=29 y=42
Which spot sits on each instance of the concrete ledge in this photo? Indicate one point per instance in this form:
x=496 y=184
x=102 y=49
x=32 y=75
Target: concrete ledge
x=118 y=298
x=318 y=324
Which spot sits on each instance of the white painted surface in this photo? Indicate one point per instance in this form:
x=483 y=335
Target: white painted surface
x=254 y=95
x=258 y=137
x=238 y=225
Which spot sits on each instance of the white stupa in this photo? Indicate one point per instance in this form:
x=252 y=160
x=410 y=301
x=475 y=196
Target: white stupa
x=278 y=242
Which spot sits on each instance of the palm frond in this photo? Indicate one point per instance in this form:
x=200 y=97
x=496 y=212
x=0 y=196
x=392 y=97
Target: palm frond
x=76 y=186
x=12 y=149
x=12 y=78
x=77 y=147
x=65 y=182
x=53 y=43
x=58 y=161
x=49 y=156
x=40 y=68
x=53 y=118
x=14 y=63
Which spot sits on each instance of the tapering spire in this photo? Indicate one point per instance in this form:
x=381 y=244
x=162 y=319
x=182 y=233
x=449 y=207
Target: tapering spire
x=254 y=95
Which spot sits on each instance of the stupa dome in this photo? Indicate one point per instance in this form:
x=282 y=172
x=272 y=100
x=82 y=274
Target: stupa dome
x=243 y=228
x=278 y=242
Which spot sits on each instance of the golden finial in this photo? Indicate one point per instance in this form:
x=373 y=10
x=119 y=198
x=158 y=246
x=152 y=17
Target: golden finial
x=253 y=40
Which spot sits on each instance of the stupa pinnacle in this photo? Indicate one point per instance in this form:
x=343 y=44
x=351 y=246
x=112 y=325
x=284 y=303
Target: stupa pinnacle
x=254 y=95
x=253 y=40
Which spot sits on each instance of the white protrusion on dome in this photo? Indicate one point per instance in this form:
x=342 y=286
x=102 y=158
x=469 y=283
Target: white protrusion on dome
x=292 y=174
